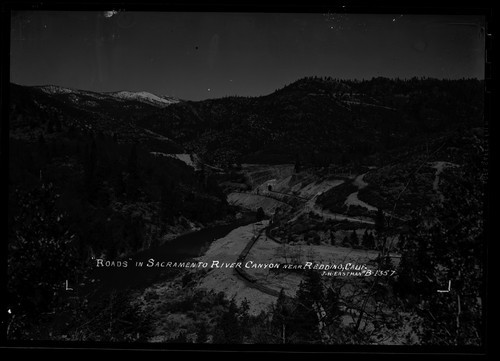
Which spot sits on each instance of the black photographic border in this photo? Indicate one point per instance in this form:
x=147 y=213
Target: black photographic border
x=414 y=7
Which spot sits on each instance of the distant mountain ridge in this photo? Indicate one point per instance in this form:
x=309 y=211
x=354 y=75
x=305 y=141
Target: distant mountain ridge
x=141 y=96
x=319 y=120
x=52 y=110
x=145 y=97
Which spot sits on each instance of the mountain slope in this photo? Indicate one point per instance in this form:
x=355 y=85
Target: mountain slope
x=50 y=110
x=321 y=120
x=120 y=96
x=144 y=97
x=317 y=121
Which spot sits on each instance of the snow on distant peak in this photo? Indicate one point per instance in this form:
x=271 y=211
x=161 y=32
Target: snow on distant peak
x=124 y=95
x=144 y=97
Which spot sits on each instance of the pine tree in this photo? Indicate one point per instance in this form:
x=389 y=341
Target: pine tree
x=332 y=237
x=282 y=315
x=309 y=299
x=202 y=333
x=260 y=214
x=445 y=243
x=332 y=308
x=354 y=239
x=41 y=252
x=244 y=318
x=181 y=338
x=371 y=240
x=297 y=167
x=228 y=327
x=368 y=240
x=314 y=286
x=364 y=239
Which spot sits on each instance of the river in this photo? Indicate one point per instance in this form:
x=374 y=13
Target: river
x=182 y=248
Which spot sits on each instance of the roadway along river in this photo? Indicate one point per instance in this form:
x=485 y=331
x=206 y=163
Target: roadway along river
x=182 y=248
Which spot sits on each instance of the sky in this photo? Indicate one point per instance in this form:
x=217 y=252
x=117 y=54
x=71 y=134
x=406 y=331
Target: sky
x=195 y=56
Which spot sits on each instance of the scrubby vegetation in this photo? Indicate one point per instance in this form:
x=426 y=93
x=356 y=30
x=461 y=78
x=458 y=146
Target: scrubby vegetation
x=101 y=182
x=323 y=120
